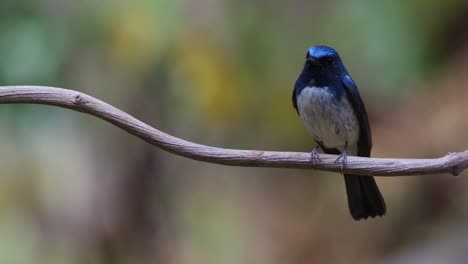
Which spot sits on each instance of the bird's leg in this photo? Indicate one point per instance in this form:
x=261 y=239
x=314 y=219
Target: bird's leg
x=343 y=157
x=314 y=155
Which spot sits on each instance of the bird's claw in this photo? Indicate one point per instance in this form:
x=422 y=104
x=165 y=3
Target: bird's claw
x=314 y=156
x=344 y=160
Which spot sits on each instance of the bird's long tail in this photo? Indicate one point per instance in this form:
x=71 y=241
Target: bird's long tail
x=364 y=197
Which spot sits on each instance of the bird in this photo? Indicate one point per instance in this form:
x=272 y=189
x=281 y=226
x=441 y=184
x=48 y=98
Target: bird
x=329 y=104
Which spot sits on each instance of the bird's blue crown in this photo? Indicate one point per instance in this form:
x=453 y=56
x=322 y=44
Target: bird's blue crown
x=321 y=51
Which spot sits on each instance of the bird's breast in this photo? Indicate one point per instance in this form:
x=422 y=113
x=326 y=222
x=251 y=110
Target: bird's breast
x=327 y=117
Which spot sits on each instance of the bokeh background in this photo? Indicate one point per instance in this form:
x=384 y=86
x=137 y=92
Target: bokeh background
x=75 y=189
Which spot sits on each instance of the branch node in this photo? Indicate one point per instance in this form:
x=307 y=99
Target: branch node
x=260 y=155
x=457 y=170
x=79 y=100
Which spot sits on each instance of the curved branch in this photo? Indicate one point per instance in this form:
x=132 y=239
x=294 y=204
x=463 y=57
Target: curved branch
x=453 y=163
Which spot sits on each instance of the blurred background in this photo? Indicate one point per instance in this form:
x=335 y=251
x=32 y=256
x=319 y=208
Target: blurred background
x=75 y=189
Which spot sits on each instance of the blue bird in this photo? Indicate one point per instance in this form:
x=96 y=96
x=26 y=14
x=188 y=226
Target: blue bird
x=331 y=108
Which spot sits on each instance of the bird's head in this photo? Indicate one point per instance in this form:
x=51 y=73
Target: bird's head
x=323 y=57
x=323 y=64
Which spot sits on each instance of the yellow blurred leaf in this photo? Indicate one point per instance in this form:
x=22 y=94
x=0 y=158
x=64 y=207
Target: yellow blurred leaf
x=211 y=77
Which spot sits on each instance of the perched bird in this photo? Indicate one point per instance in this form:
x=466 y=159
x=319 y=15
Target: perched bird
x=331 y=108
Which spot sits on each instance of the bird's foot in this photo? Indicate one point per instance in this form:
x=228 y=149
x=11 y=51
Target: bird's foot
x=343 y=158
x=314 y=156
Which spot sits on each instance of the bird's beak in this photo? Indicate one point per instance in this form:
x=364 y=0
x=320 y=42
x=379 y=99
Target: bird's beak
x=312 y=60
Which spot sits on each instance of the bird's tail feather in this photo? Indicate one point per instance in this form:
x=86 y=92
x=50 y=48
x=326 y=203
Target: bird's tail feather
x=364 y=197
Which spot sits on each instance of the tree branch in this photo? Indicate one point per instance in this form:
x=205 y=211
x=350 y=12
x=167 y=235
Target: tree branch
x=453 y=163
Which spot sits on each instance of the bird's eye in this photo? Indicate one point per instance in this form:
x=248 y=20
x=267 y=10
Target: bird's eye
x=329 y=60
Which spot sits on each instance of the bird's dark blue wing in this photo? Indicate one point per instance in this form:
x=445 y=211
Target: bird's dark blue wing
x=294 y=97
x=365 y=138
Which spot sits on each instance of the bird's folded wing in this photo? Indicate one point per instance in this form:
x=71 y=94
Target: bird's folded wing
x=365 y=138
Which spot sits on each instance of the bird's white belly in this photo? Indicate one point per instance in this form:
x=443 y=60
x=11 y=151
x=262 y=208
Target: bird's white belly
x=327 y=119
